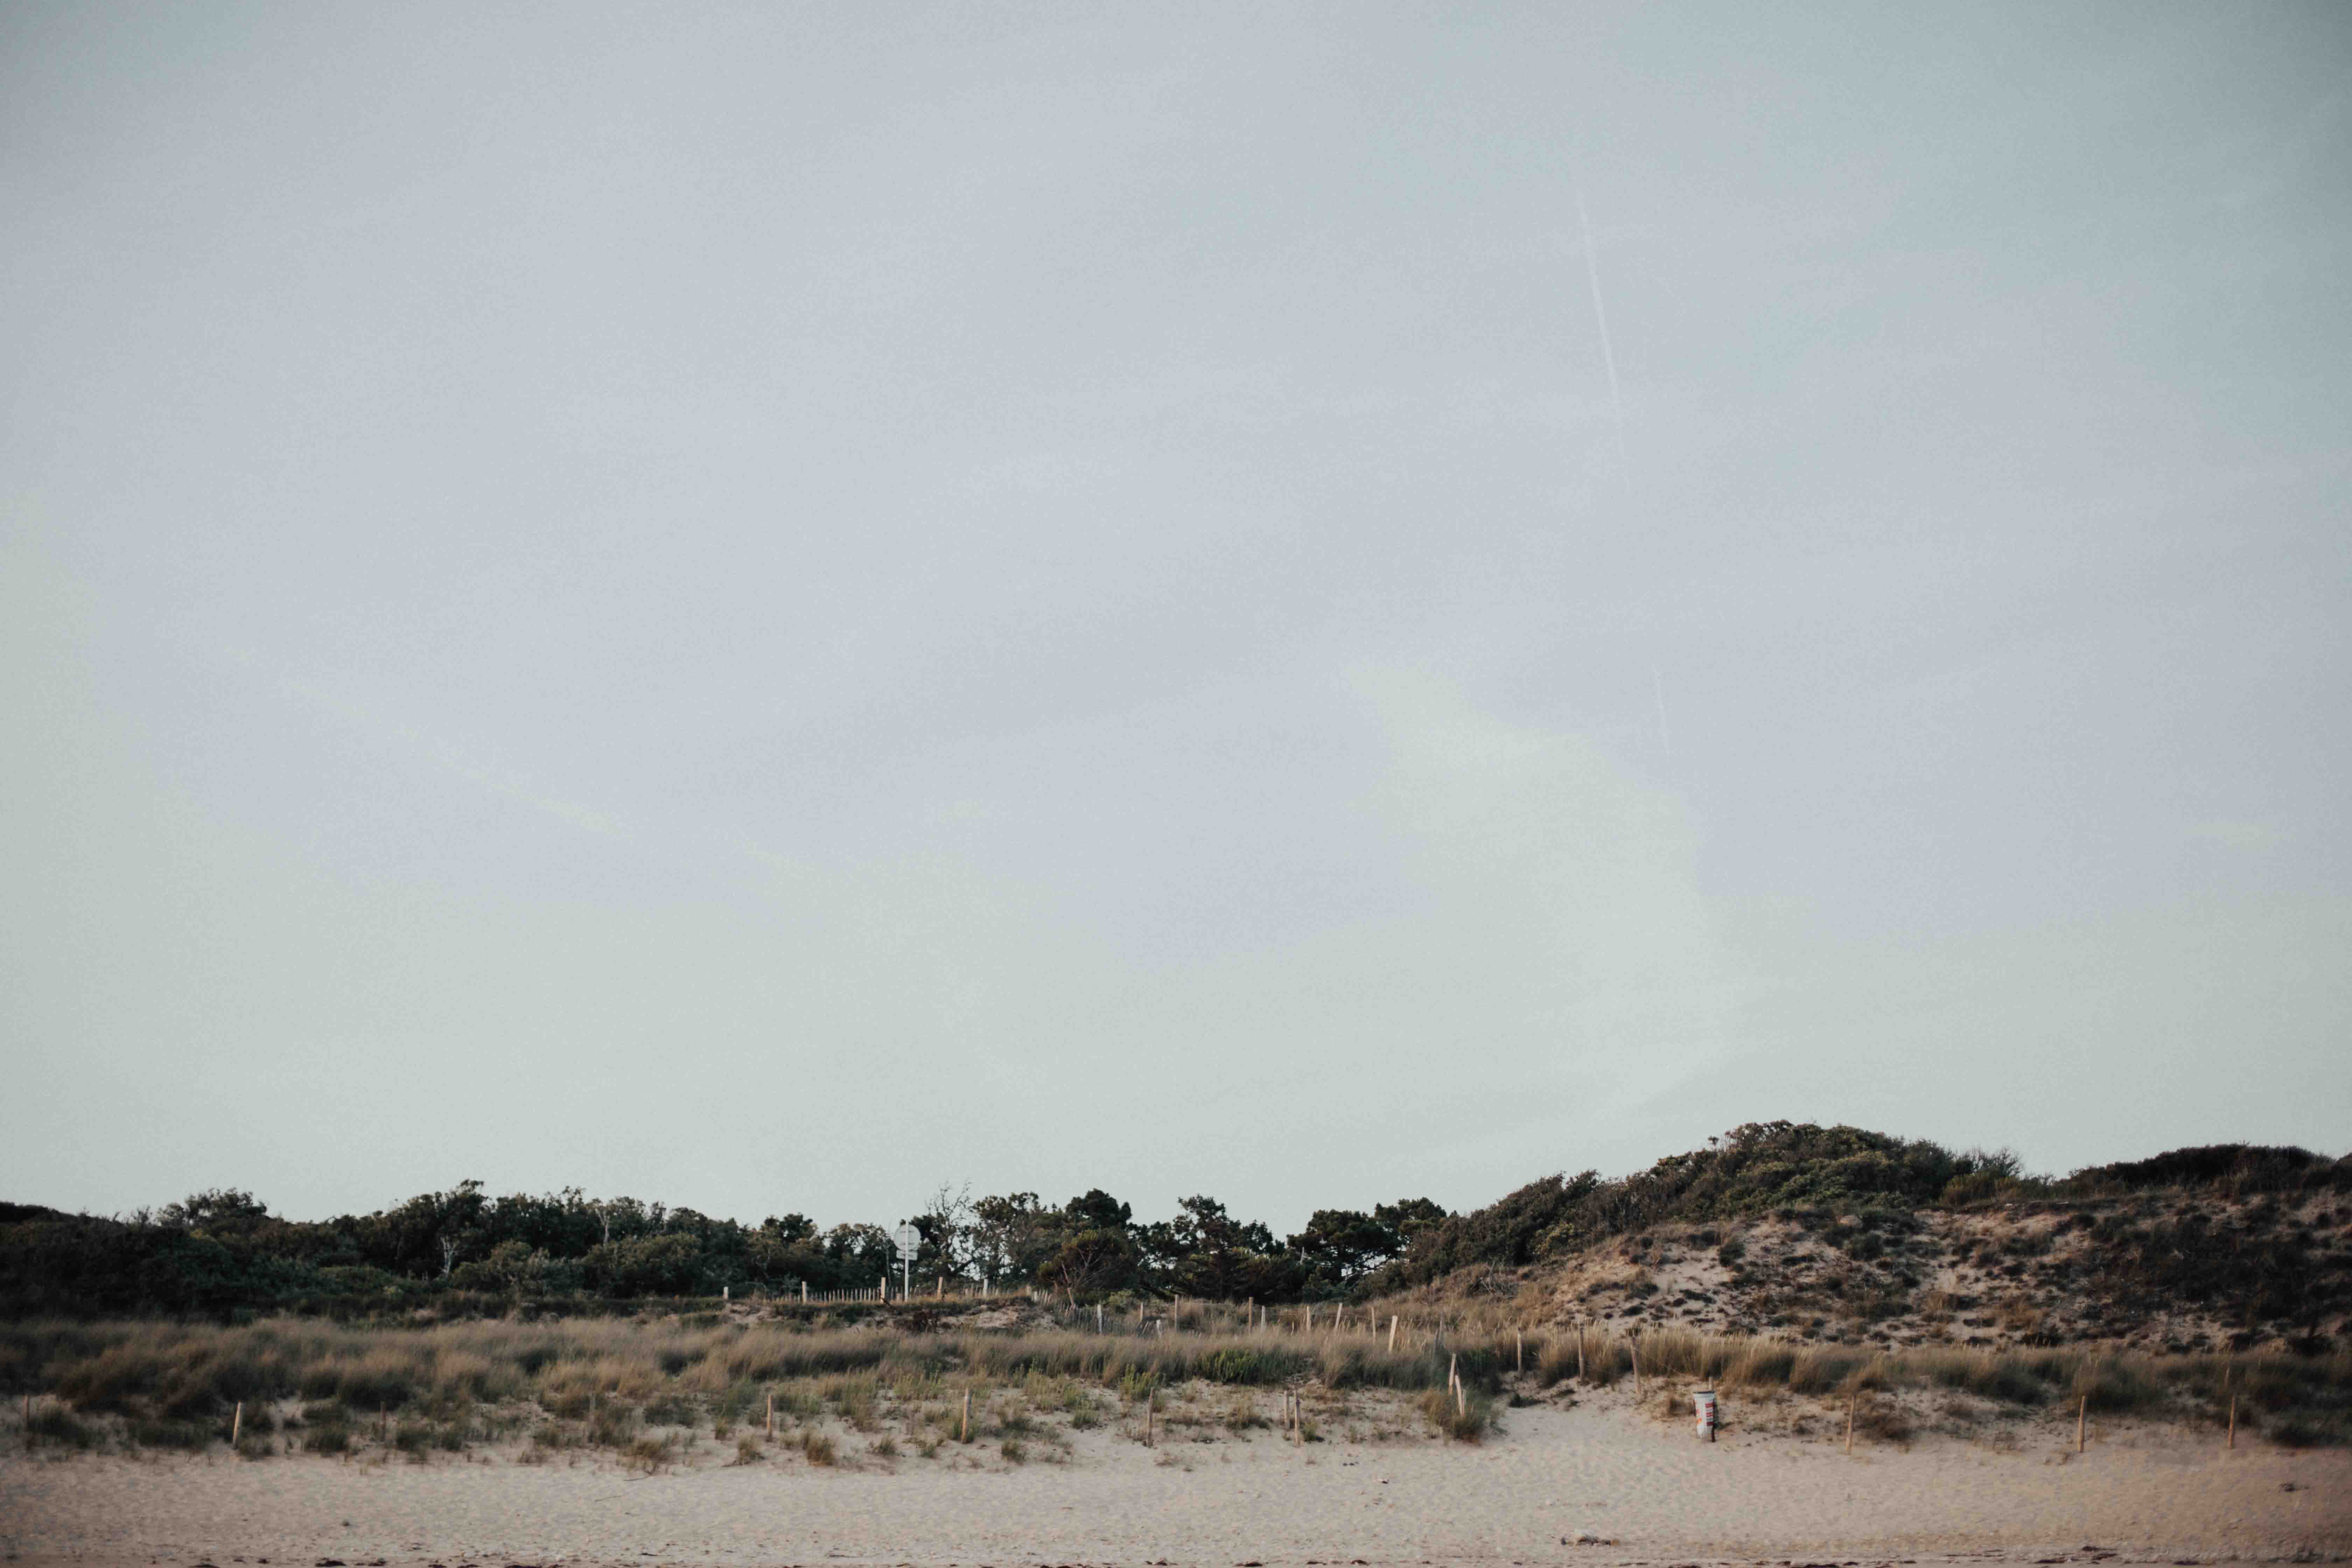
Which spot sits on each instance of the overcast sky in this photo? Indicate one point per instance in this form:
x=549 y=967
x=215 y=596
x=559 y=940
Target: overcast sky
x=768 y=607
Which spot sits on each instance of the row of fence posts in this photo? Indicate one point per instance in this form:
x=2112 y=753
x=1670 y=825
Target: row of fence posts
x=1294 y=1408
x=984 y=1290
x=1258 y=1317
x=1706 y=1400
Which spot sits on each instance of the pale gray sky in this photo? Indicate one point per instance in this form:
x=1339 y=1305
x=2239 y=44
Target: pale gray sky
x=768 y=606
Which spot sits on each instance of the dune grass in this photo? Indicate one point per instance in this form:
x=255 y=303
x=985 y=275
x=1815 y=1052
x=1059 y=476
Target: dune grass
x=641 y=1387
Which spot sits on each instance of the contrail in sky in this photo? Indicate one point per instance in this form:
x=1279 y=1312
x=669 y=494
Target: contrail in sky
x=1617 y=405
x=1600 y=314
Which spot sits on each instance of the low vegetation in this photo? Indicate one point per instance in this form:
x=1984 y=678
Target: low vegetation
x=647 y=1394
x=1799 y=1169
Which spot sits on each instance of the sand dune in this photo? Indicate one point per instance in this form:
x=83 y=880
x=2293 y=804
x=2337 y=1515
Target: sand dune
x=1650 y=1491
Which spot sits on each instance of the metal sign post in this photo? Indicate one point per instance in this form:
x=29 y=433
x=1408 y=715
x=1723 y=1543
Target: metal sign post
x=909 y=1241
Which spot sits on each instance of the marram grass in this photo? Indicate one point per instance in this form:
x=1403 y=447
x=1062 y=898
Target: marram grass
x=183 y=1379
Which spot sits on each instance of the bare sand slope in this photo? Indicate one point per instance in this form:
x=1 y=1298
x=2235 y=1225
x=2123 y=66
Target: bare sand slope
x=1651 y=1492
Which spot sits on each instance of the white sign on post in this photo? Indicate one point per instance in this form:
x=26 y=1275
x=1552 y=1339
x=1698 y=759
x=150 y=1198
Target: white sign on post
x=909 y=1241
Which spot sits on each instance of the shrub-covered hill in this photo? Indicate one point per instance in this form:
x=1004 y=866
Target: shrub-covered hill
x=1841 y=1234
x=1774 y=1227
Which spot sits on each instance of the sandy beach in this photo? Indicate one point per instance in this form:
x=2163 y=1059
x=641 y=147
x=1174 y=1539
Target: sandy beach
x=1642 y=1491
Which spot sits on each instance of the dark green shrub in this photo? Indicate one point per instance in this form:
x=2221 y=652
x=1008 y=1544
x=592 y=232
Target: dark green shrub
x=2112 y=1387
x=55 y=1424
x=1247 y=1364
x=114 y=1380
x=672 y=1410
x=1465 y=1421
x=1881 y=1419
x=668 y=1265
x=2236 y=1168
x=2010 y=1382
x=170 y=1434
x=372 y=1384
x=2305 y=1432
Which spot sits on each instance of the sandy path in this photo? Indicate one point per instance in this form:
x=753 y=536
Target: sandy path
x=1654 y=1491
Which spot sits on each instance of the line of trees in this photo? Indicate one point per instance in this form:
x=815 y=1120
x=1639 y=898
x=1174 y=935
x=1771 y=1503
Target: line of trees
x=223 y=1250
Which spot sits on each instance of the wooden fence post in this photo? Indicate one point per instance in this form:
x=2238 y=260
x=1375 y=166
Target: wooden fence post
x=965 y=1434
x=1392 y=1321
x=1849 y=1423
x=237 y=1423
x=1519 y=1349
x=1580 y=1350
x=2233 y=1421
x=772 y=1417
x=2082 y=1417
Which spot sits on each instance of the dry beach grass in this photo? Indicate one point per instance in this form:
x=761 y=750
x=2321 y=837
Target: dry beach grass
x=1213 y=1443
x=331 y=1387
